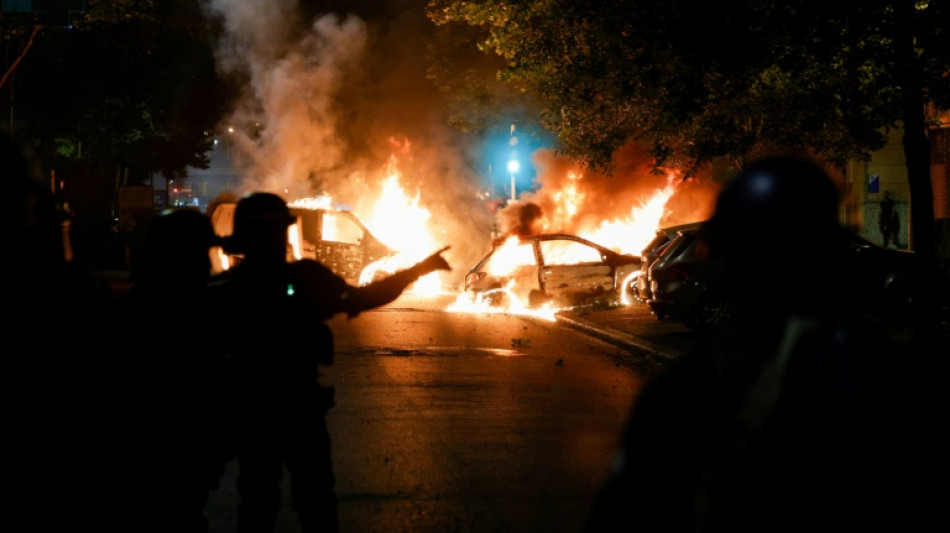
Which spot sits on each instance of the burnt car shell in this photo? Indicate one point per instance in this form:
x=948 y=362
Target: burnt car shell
x=563 y=269
x=333 y=237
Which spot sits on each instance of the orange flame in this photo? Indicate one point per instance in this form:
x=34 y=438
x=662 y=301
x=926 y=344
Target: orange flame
x=632 y=233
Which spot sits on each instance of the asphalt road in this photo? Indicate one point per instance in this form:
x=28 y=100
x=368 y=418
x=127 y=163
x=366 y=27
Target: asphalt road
x=449 y=422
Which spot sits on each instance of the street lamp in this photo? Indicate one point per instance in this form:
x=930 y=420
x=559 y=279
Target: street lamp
x=513 y=167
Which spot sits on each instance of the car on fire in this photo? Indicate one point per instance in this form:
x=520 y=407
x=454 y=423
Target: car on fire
x=334 y=237
x=562 y=269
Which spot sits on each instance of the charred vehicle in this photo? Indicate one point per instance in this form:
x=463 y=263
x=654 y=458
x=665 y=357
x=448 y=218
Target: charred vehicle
x=562 y=269
x=334 y=237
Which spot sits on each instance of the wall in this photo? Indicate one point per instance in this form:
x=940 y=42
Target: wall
x=862 y=201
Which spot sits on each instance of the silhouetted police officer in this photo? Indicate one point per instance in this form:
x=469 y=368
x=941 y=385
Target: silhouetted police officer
x=800 y=414
x=273 y=327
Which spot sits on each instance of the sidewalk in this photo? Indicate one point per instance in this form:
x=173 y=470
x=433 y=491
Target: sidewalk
x=633 y=327
x=661 y=341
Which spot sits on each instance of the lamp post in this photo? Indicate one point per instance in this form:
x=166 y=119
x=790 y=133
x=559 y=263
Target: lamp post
x=513 y=167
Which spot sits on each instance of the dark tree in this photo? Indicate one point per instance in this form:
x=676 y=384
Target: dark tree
x=128 y=91
x=696 y=81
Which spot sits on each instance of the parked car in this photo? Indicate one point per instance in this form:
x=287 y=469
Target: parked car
x=563 y=269
x=685 y=284
x=334 y=237
x=664 y=236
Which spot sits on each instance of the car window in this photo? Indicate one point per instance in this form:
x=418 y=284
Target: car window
x=568 y=252
x=660 y=239
x=340 y=228
x=509 y=256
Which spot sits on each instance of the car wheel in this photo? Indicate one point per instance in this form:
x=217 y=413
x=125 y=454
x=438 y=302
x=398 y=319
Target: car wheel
x=630 y=292
x=713 y=312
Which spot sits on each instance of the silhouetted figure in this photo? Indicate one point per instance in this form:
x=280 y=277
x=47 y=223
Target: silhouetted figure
x=54 y=327
x=175 y=382
x=888 y=221
x=274 y=330
x=799 y=416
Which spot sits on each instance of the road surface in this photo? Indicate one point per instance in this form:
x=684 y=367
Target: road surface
x=450 y=422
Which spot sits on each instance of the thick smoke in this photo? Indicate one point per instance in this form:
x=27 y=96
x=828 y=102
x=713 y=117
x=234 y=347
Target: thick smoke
x=330 y=98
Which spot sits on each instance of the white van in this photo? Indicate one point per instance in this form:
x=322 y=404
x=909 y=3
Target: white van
x=334 y=237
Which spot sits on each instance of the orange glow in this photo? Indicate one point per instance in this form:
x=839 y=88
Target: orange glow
x=509 y=256
x=629 y=235
x=484 y=303
x=569 y=201
x=397 y=219
x=402 y=224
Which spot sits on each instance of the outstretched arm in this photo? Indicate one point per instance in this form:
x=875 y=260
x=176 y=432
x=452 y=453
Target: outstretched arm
x=381 y=292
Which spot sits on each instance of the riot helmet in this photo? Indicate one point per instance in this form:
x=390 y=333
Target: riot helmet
x=257 y=218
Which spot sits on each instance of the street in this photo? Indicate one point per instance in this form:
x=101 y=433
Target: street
x=461 y=422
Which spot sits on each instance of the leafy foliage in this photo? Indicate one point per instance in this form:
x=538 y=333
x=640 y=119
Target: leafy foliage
x=697 y=80
x=131 y=83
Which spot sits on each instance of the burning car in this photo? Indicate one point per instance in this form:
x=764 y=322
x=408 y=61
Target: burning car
x=561 y=269
x=334 y=237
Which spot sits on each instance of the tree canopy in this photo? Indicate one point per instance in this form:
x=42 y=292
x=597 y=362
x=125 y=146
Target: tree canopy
x=132 y=83
x=697 y=81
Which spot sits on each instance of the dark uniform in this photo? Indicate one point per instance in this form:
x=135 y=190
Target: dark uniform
x=275 y=333
x=800 y=415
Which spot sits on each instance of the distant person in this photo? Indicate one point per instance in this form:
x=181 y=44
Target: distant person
x=271 y=324
x=174 y=380
x=55 y=329
x=888 y=220
x=800 y=415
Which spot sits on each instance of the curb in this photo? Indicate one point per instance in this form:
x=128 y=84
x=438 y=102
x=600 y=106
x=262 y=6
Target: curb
x=613 y=336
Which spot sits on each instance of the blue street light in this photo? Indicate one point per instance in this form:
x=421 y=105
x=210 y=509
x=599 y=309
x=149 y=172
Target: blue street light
x=513 y=167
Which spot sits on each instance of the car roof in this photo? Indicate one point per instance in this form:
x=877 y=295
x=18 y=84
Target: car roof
x=673 y=230
x=552 y=236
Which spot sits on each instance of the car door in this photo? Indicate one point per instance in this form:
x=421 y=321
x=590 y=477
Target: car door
x=337 y=243
x=572 y=270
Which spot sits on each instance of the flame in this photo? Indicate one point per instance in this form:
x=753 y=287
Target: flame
x=486 y=303
x=631 y=234
x=509 y=256
x=396 y=219
x=627 y=235
x=402 y=224
x=568 y=201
